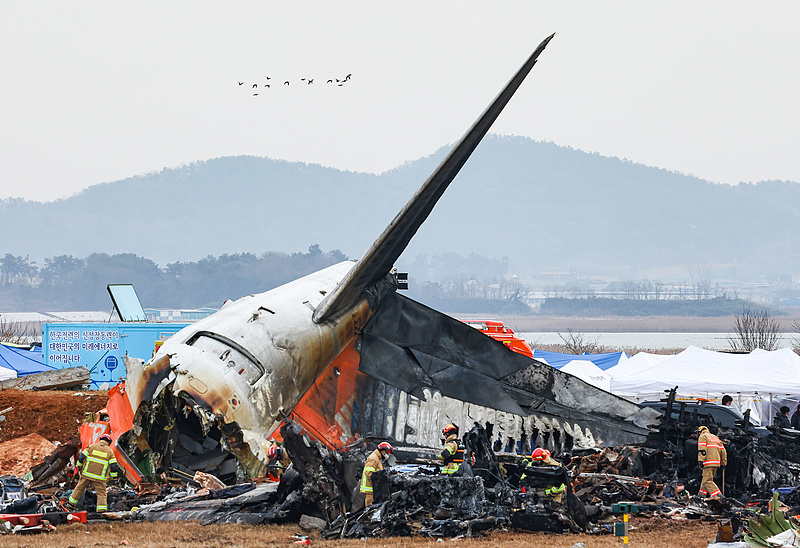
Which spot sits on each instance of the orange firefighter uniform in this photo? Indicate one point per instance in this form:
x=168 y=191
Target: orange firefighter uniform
x=373 y=464
x=711 y=454
x=98 y=465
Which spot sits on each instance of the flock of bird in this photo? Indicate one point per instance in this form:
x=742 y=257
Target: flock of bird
x=307 y=81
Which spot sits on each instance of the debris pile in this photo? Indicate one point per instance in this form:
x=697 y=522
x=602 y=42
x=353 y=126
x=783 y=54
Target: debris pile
x=491 y=490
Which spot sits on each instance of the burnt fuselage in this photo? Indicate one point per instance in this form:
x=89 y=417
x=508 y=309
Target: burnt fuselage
x=245 y=366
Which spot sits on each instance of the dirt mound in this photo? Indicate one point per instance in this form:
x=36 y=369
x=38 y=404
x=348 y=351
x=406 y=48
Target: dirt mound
x=54 y=415
x=17 y=456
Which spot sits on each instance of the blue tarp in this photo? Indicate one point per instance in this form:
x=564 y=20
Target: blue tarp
x=24 y=362
x=558 y=360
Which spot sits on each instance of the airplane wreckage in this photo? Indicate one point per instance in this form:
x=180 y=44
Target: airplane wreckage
x=347 y=357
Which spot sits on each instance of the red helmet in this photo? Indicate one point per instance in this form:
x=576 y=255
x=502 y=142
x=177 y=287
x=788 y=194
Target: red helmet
x=274 y=452
x=450 y=429
x=540 y=454
x=385 y=447
x=106 y=438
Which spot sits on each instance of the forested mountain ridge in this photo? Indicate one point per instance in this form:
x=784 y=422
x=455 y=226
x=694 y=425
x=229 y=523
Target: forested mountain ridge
x=540 y=205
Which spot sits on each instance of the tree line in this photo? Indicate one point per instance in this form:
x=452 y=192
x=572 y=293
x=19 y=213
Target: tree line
x=70 y=283
x=642 y=290
x=605 y=306
x=472 y=284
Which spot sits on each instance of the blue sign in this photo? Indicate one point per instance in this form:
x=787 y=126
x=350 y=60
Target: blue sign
x=100 y=346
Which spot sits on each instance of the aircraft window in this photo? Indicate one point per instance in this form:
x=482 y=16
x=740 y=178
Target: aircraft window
x=234 y=357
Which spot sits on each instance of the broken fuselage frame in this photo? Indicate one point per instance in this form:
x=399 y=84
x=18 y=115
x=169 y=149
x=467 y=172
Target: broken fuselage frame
x=240 y=371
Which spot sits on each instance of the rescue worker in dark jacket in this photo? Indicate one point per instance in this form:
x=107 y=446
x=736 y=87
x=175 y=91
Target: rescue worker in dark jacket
x=98 y=465
x=373 y=464
x=711 y=454
x=782 y=418
x=543 y=456
x=796 y=418
x=453 y=453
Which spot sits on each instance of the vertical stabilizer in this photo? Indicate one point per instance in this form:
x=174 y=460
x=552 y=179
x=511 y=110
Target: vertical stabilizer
x=382 y=254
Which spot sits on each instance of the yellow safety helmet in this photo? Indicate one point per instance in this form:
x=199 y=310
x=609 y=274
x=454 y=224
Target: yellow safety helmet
x=699 y=430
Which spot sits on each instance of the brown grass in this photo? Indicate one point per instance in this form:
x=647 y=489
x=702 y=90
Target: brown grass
x=644 y=324
x=630 y=350
x=652 y=532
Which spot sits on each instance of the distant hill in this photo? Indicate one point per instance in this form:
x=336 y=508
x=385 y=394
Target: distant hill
x=542 y=206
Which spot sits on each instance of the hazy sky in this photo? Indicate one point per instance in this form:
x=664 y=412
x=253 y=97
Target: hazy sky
x=99 y=91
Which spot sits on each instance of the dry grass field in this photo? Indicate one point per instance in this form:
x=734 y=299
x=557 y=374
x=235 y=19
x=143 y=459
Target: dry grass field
x=653 y=532
x=638 y=324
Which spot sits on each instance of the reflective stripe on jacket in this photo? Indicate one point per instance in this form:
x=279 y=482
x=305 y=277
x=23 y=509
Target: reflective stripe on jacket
x=373 y=464
x=452 y=455
x=548 y=461
x=550 y=491
x=710 y=450
x=99 y=462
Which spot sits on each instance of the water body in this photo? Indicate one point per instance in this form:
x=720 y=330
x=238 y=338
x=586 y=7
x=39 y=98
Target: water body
x=618 y=341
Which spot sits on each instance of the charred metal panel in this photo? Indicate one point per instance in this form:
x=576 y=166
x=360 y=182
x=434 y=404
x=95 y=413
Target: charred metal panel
x=385 y=414
x=428 y=369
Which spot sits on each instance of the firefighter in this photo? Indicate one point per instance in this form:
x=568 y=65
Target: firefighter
x=453 y=453
x=711 y=454
x=373 y=464
x=543 y=456
x=98 y=465
x=279 y=459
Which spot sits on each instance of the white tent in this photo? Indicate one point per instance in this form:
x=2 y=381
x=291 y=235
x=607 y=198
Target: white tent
x=760 y=376
x=6 y=373
x=636 y=364
x=588 y=372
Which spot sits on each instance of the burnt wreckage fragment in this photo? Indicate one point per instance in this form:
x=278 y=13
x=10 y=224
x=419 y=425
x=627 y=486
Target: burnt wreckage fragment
x=414 y=382
x=419 y=500
x=410 y=499
x=756 y=465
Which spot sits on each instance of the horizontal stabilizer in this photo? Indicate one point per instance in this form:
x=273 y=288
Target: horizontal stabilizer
x=381 y=256
x=412 y=347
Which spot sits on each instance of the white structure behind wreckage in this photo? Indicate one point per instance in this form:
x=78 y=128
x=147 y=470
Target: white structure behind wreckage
x=225 y=383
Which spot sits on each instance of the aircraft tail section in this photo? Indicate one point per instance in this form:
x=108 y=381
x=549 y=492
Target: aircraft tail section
x=382 y=254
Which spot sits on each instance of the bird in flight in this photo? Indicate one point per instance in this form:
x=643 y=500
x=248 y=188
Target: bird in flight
x=338 y=81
